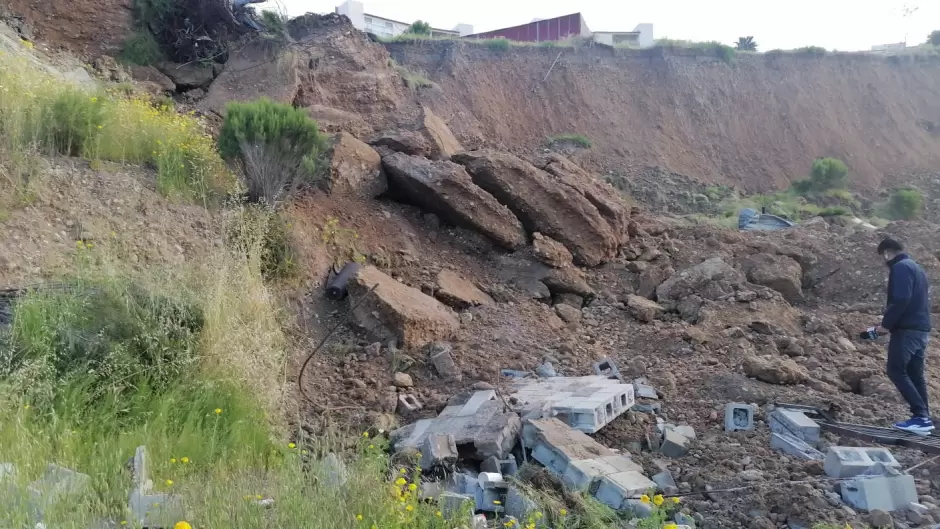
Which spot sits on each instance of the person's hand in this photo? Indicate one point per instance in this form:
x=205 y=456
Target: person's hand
x=881 y=330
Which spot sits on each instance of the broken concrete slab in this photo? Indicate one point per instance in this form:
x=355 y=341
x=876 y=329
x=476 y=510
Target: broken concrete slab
x=849 y=461
x=739 y=417
x=394 y=311
x=795 y=423
x=480 y=427
x=439 y=451
x=794 y=446
x=888 y=493
x=586 y=403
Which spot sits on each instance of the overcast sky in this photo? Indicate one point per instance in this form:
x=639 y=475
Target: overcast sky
x=833 y=24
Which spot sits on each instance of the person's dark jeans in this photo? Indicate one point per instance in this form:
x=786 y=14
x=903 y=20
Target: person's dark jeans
x=907 y=353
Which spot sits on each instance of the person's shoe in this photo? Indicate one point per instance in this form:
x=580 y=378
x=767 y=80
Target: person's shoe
x=918 y=425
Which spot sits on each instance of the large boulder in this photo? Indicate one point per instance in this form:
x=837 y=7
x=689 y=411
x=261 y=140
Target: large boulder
x=458 y=292
x=355 y=168
x=404 y=141
x=445 y=189
x=775 y=370
x=259 y=69
x=777 y=272
x=710 y=279
x=399 y=312
x=604 y=197
x=442 y=142
x=542 y=205
x=188 y=76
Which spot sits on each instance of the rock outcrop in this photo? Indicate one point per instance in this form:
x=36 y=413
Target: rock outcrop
x=355 y=168
x=254 y=71
x=396 y=311
x=604 y=197
x=458 y=292
x=542 y=205
x=777 y=272
x=445 y=189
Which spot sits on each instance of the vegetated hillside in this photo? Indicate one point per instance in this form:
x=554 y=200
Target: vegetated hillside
x=757 y=121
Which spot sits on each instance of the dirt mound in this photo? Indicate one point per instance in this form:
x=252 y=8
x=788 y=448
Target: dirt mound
x=757 y=122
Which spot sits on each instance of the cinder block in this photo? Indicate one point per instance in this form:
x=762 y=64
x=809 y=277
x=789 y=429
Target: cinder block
x=739 y=417
x=888 y=493
x=607 y=368
x=155 y=510
x=795 y=423
x=674 y=443
x=408 y=404
x=439 y=450
x=794 y=446
x=615 y=489
x=452 y=504
x=849 y=461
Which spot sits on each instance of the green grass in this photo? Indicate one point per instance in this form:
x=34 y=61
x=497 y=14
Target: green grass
x=43 y=114
x=577 y=139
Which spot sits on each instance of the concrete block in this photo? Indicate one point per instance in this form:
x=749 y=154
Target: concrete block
x=674 y=443
x=795 y=423
x=888 y=493
x=739 y=417
x=439 y=450
x=155 y=510
x=643 y=389
x=520 y=506
x=584 y=475
x=615 y=489
x=452 y=504
x=665 y=482
x=408 y=404
x=794 y=446
x=607 y=368
x=849 y=461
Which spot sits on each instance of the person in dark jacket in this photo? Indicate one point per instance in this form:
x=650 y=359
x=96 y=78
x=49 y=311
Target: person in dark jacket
x=907 y=320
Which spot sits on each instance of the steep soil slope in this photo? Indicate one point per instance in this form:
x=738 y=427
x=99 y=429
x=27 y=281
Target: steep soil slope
x=757 y=122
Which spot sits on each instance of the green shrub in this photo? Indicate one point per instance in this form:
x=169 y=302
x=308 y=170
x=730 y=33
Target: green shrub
x=578 y=139
x=277 y=146
x=420 y=27
x=141 y=48
x=934 y=37
x=111 y=332
x=74 y=122
x=906 y=204
x=498 y=44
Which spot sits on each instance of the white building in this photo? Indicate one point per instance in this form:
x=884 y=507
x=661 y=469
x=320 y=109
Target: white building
x=386 y=27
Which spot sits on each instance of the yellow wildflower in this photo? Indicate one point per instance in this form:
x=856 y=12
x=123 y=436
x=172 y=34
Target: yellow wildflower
x=658 y=500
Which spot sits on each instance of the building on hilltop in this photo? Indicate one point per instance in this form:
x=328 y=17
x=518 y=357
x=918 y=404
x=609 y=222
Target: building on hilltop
x=388 y=28
x=568 y=27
